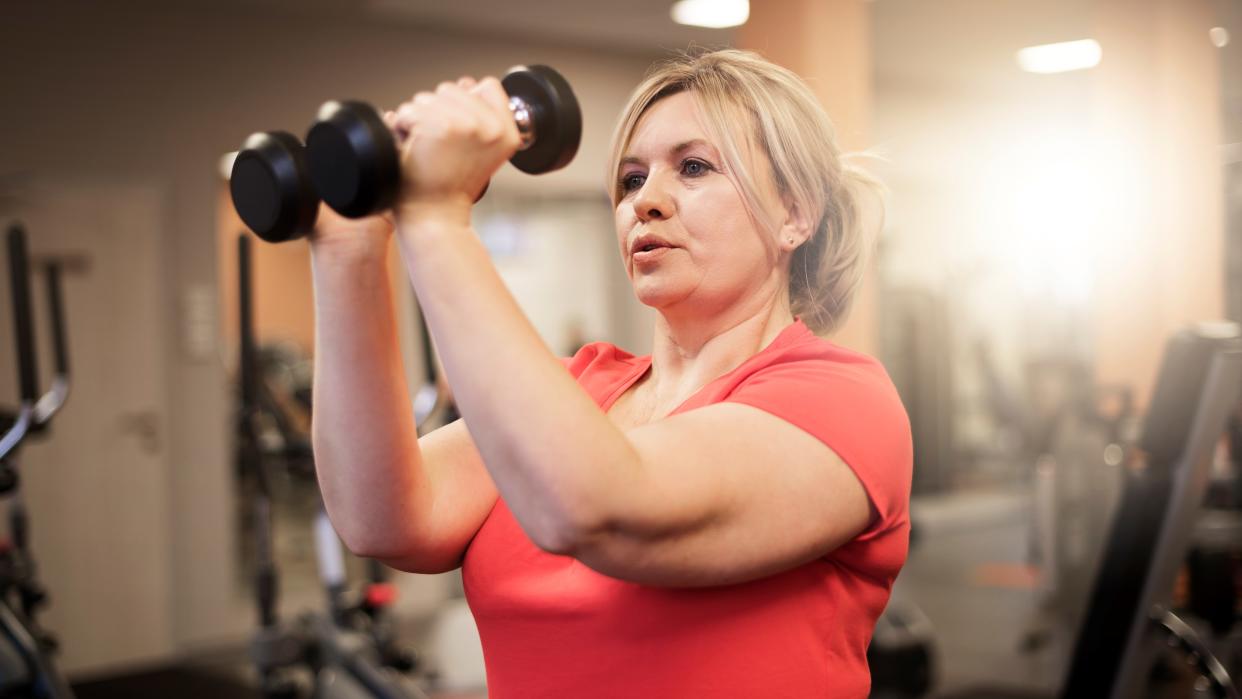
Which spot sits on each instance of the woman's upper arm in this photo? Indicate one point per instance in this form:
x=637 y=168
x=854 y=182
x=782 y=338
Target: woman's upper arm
x=797 y=461
x=464 y=495
x=725 y=494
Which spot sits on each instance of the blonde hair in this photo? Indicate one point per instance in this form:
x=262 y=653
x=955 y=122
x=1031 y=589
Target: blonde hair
x=789 y=126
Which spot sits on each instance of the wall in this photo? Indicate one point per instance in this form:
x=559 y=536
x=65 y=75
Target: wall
x=154 y=92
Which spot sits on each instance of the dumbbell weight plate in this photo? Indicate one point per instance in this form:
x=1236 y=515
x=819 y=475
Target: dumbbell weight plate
x=353 y=159
x=556 y=117
x=270 y=188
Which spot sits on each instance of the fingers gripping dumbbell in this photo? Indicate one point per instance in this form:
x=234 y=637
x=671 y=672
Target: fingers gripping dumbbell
x=354 y=161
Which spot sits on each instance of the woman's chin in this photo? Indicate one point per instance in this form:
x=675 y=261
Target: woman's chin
x=658 y=296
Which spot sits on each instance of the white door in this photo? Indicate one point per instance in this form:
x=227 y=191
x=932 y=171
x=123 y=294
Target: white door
x=97 y=488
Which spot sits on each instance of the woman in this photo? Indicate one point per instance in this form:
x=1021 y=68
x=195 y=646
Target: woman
x=724 y=517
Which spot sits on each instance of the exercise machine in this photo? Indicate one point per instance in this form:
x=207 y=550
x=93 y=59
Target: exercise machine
x=27 y=666
x=1130 y=620
x=1130 y=623
x=351 y=652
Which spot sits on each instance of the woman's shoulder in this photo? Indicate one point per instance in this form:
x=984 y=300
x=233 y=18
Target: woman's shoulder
x=797 y=350
x=846 y=399
x=812 y=381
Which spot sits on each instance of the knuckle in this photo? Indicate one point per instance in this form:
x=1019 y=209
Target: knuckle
x=490 y=135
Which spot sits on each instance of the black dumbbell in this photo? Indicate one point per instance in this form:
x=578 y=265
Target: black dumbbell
x=272 y=189
x=353 y=157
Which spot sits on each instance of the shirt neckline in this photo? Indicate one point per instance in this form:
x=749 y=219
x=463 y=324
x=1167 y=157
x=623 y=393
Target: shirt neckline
x=643 y=364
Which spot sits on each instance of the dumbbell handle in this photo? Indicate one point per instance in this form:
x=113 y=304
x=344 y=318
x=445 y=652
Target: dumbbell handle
x=525 y=121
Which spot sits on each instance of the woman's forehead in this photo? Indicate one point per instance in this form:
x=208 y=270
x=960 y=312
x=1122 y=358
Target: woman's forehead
x=669 y=122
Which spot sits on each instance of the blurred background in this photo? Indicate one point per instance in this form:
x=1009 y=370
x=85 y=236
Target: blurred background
x=1053 y=216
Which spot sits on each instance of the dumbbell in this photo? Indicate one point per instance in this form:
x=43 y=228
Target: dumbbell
x=275 y=193
x=271 y=187
x=354 y=160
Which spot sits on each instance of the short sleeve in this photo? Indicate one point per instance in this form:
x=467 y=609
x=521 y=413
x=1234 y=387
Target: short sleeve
x=854 y=409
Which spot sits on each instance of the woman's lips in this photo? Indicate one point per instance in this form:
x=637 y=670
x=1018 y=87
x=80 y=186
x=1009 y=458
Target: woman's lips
x=649 y=256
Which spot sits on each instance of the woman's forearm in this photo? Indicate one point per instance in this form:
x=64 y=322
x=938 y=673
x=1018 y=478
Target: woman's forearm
x=366 y=446
x=553 y=455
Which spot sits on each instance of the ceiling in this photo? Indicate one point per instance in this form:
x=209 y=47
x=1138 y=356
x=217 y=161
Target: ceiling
x=638 y=26
x=927 y=41
x=922 y=49
x=920 y=44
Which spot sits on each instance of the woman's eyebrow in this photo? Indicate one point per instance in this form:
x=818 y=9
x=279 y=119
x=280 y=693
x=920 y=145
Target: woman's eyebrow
x=687 y=145
x=675 y=150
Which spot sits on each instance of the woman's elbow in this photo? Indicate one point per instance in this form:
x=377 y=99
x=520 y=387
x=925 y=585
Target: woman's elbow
x=566 y=535
x=370 y=542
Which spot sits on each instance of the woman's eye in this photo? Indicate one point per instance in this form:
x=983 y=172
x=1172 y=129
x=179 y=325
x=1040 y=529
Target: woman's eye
x=694 y=168
x=632 y=182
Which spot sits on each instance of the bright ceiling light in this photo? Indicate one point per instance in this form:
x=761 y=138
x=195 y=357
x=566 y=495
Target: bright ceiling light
x=714 y=14
x=1219 y=37
x=1060 y=58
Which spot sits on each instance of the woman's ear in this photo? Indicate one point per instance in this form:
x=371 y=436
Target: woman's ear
x=796 y=229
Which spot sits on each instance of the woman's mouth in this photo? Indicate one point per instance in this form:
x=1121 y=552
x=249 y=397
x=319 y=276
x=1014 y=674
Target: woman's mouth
x=650 y=253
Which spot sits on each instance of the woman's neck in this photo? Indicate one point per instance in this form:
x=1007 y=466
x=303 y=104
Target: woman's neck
x=690 y=352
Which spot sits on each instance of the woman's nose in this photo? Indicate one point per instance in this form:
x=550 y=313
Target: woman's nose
x=653 y=200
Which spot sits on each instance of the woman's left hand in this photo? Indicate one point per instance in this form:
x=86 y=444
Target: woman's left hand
x=452 y=141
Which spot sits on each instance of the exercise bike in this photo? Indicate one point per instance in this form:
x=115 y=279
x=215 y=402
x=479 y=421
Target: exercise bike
x=27 y=668
x=351 y=652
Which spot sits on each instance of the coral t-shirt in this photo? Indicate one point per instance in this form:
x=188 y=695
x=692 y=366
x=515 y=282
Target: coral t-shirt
x=552 y=628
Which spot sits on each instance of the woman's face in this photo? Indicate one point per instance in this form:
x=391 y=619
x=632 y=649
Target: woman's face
x=687 y=239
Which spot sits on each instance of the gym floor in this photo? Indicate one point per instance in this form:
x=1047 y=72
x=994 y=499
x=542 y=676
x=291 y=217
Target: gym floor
x=968 y=572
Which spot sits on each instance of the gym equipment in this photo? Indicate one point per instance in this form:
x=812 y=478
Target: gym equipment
x=26 y=649
x=1128 y=619
x=1064 y=433
x=1128 y=622
x=23 y=333
x=351 y=652
x=351 y=158
x=354 y=159
x=1214 y=569
x=918 y=355
x=902 y=654
x=271 y=188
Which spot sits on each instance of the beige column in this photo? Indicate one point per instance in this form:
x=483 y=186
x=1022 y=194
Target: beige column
x=1158 y=124
x=283 y=300
x=828 y=43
